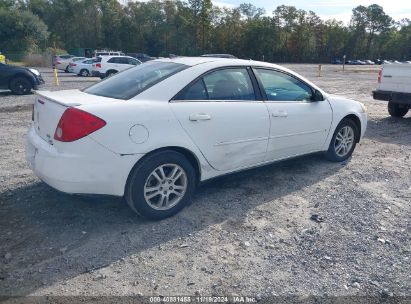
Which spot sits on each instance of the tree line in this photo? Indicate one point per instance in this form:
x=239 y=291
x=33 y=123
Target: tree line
x=193 y=27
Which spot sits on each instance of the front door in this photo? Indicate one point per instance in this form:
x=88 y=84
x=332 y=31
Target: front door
x=299 y=125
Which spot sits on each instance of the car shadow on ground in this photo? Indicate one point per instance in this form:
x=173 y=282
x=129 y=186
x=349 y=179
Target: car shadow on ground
x=6 y=93
x=390 y=130
x=53 y=237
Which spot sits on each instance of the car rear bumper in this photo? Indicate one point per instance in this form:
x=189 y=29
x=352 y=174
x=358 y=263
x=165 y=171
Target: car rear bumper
x=397 y=97
x=98 y=171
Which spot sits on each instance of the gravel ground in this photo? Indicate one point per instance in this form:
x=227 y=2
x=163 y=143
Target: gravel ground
x=249 y=234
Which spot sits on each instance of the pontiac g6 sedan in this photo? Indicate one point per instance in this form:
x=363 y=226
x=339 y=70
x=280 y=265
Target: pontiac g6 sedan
x=153 y=132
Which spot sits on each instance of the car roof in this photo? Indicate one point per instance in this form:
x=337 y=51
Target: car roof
x=114 y=56
x=192 y=61
x=214 y=62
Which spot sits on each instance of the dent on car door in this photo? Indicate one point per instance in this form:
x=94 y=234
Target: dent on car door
x=299 y=124
x=222 y=114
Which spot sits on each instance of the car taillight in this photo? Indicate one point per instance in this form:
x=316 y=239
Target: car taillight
x=73 y=64
x=58 y=62
x=379 y=76
x=75 y=124
x=98 y=65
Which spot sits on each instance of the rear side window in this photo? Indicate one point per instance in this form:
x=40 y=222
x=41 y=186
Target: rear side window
x=135 y=80
x=222 y=84
x=133 y=61
x=114 y=60
x=196 y=91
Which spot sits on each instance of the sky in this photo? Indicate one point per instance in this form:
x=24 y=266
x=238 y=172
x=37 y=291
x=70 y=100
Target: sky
x=338 y=9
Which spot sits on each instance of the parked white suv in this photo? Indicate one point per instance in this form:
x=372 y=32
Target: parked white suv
x=109 y=65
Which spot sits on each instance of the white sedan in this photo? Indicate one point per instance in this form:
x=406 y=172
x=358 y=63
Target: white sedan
x=153 y=132
x=83 y=67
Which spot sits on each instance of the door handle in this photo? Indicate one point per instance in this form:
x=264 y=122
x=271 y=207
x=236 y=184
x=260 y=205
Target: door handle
x=279 y=114
x=199 y=116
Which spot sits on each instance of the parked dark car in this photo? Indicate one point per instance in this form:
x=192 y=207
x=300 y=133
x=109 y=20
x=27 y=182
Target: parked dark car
x=336 y=61
x=140 y=56
x=19 y=80
x=356 y=62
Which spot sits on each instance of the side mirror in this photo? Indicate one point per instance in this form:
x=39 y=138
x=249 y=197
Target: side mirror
x=317 y=96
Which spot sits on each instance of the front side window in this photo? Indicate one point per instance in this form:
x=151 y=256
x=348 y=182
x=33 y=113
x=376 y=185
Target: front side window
x=283 y=87
x=135 y=80
x=222 y=84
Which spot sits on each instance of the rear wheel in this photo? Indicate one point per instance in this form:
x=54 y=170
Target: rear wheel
x=67 y=69
x=344 y=140
x=84 y=73
x=110 y=73
x=397 y=110
x=161 y=185
x=20 y=86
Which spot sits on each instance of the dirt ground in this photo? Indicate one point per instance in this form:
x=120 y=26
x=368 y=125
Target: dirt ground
x=248 y=234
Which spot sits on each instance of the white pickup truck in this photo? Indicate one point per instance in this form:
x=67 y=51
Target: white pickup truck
x=394 y=86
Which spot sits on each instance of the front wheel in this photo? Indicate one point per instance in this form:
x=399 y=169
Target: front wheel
x=397 y=110
x=20 y=86
x=344 y=140
x=161 y=185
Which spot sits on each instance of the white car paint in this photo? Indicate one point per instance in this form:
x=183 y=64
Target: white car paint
x=224 y=137
x=64 y=64
x=395 y=78
x=83 y=65
x=105 y=65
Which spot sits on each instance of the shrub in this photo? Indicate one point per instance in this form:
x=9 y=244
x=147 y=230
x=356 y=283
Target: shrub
x=37 y=60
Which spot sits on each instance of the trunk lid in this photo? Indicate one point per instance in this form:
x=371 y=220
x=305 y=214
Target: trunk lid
x=50 y=106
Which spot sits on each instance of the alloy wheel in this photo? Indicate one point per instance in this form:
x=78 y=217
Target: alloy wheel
x=165 y=186
x=344 y=141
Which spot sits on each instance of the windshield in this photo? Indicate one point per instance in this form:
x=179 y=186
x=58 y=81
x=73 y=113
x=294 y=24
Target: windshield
x=135 y=80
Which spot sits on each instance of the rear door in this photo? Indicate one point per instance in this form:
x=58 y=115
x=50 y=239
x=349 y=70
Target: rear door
x=225 y=117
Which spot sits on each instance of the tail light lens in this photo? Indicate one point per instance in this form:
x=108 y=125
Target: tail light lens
x=73 y=64
x=98 y=65
x=379 y=76
x=58 y=62
x=75 y=124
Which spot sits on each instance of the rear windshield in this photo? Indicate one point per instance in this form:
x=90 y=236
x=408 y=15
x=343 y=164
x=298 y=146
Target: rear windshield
x=135 y=80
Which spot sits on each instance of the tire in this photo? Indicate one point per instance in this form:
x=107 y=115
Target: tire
x=67 y=69
x=396 y=110
x=148 y=192
x=20 y=86
x=343 y=142
x=84 y=73
x=110 y=73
